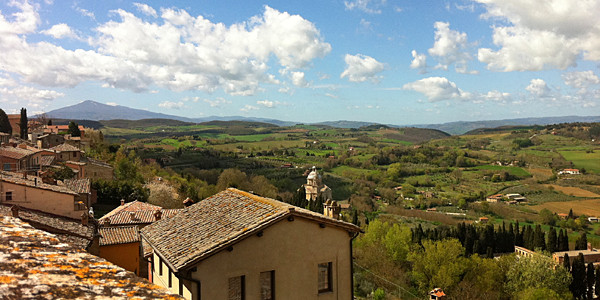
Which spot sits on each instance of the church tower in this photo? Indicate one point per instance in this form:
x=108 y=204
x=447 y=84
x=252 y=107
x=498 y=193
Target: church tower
x=314 y=187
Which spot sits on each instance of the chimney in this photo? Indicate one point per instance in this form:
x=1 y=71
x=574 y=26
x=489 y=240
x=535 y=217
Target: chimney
x=132 y=215
x=122 y=201
x=187 y=202
x=24 y=174
x=35 y=181
x=14 y=211
x=22 y=146
x=158 y=214
x=84 y=218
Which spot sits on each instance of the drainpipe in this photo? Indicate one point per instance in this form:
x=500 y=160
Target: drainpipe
x=354 y=235
x=180 y=276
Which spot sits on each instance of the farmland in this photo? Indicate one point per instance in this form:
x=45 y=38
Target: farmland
x=588 y=160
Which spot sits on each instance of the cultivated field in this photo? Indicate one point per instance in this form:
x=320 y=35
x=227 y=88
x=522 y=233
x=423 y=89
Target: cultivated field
x=582 y=159
x=587 y=207
x=573 y=191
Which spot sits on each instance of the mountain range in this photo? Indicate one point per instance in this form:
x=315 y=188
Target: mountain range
x=95 y=111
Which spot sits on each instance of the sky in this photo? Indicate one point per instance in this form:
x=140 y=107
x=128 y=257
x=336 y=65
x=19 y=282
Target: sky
x=385 y=61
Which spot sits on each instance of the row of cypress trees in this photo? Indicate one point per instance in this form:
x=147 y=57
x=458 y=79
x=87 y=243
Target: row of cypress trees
x=487 y=240
x=586 y=280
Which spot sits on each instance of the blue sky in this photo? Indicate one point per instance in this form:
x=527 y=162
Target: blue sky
x=396 y=62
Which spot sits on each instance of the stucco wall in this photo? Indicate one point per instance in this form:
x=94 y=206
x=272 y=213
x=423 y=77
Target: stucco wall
x=126 y=256
x=40 y=199
x=293 y=250
x=94 y=171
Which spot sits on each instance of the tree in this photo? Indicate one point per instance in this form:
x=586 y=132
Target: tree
x=581 y=243
x=62 y=173
x=23 y=124
x=552 y=240
x=232 y=178
x=74 y=129
x=597 y=283
x=547 y=217
x=578 y=286
x=567 y=262
x=590 y=279
x=537 y=272
x=438 y=264
x=5 y=123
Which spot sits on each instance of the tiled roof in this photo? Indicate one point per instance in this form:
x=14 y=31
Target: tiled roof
x=47 y=160
x=65 y=148
x=80 y=186
x=98 y=162
x=15 y=152
x=68 y=230
x=118 y=235
x=136 y=212
x=17 y=178
x=37 y=265
x=219 y=221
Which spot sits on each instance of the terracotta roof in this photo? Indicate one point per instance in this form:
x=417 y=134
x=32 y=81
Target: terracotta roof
x=136 y=212
x=47 y=160
x=80 y=186
x=15 y=152
x=119 y=235
x=65 y=148
x=17 y=178
x=67 y=230
x=138 y=217
x=36 y=265
x=219 y=221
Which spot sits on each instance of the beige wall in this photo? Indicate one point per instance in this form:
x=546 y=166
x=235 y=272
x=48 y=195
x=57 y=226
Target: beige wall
x=94 y=171
x=40 y=199
x=163 y=280
x=292 y=249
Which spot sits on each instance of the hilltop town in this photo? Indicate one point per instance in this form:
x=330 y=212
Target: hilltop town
x=241 y=209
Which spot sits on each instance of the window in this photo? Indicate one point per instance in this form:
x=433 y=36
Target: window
x=8 y=196
x=170 y=278
x=236 y=288
x=160 y=266
x=6 y=167
x=267 y=285
x=325 y=277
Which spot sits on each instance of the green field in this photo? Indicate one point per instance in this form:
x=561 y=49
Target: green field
x=515 y=171
x=582 y=159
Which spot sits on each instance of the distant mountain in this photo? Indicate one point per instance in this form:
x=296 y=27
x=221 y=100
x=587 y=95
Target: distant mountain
x=92 y=110
x=346 y=124
x=462 y=127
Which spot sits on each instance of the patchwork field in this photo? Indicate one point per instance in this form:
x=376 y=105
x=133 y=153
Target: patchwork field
x=587 y=207
x=583 y=159
x=540 y=174
x=573 y=191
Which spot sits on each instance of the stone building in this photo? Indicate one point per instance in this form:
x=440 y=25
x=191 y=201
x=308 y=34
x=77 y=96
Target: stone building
x=314 y=187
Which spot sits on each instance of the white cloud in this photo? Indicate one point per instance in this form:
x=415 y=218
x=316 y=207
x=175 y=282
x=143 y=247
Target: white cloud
x=266 y=103
x=145 y=9
x=60 y=31
x=22 y=22
x=84 y=12
x=538 y=88
x=541 y=34
x=435 y=88
x=331 y=95
x=178 y=52
x=298 y=79
x=248 y=108
x=171 y=105
x=29 y=93
x=419 y=62
x=450 y=47
x=367 y=6
x=581 y=80
x=361 y=68
x=112 y=103
x=218 y=102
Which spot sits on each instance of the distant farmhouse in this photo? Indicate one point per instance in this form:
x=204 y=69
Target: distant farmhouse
x=235 y=245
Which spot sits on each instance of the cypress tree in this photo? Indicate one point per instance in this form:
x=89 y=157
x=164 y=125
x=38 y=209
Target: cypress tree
x=597 y=282
x=571 y=215
x=74 y=129
x=539 y=238
x=565 y=242
x=590 y=279
x=5 y=123
x=581 y=243
x=23 y=124
x=552 y=240
x=578 y=272
x=567 y=262
x=511 y=238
